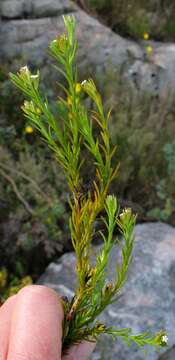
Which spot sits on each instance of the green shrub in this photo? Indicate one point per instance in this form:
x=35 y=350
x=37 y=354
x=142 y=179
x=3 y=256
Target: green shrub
x=166 y=186
x=141 y=126
x=11 y=284
x=36 y=218
x=29 y=206
x=133 y=18
x=138 y=23
x=99 y=4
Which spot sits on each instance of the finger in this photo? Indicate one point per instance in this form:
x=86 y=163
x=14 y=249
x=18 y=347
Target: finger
x=80 y=352
x=6 y=311
x=36 y=325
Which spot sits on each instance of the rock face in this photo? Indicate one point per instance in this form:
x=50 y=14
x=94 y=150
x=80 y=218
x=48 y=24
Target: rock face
x=27 y=26
x=148 y=298
x=11 y=9
x=29 y=38
x=169 y=355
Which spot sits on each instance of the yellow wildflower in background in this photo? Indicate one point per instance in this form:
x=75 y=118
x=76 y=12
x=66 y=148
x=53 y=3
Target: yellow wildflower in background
x=149 y=49
x=28 y=129
x=146 y=36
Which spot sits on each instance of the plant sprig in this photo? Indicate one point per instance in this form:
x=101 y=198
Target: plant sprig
x=66 y=137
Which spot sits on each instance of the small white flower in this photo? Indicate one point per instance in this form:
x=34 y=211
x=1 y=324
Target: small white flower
x=126 y=215
x=165 y=339
x=125 y=212
x=84 y=82
x=24 y=69
x=34 y=76
x=26 y=103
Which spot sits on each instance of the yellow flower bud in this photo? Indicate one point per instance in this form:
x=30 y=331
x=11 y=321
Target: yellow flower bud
x=78 y=88
x=28 y=129
x=38 y=111
x=69 y=100
x=149 y=49
x=146 y=36
x=100 y=327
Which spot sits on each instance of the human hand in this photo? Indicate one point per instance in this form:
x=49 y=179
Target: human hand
x=31 y=327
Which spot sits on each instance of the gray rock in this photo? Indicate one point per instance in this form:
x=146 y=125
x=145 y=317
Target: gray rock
x=29 y=38
x=11 y=9
x=148 y=298
x=99 y=47
x=168 y=355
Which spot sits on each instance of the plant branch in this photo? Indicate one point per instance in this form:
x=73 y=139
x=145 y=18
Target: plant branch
x=16 y=191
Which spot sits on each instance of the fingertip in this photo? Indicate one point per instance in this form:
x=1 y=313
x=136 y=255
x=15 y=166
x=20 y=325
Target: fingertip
x=36 y=325
x=45 y=293
x=6 y=311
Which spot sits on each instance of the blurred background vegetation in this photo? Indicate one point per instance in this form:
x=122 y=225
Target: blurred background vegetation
x=133 y=18
x=34 y=206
